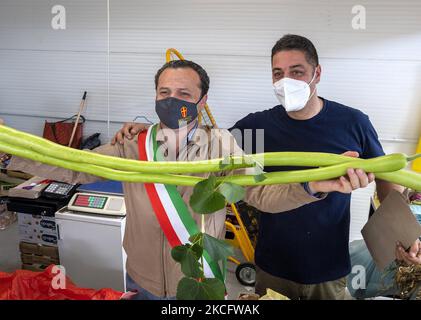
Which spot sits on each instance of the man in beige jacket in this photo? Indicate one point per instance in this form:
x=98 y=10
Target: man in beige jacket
x=151 y=271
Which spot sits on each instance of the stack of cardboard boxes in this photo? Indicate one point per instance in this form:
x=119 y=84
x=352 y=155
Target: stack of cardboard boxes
x=38 y=233
x=37 y=229
x=38 y=241
x=36 y=222
x=37 y=257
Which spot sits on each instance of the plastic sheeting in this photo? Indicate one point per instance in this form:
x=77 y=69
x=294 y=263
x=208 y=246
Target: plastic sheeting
x=46 y=285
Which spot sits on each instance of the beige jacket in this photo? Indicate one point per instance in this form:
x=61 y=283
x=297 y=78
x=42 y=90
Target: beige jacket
x=149 y=261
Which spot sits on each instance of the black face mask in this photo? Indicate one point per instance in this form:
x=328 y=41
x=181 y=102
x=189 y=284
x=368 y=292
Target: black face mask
x=175 y=113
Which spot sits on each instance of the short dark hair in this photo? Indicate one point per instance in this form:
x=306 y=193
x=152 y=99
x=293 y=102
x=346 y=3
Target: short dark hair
x=295 y=42
x=176 y=64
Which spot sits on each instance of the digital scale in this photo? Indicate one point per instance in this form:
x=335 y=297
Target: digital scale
x=90 y=236
x=103 y=204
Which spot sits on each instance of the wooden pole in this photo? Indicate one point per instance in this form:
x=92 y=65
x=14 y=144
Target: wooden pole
x=82 y=104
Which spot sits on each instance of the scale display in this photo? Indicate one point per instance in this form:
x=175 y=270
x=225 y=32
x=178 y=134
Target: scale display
x=98 y=204
x=87 y=201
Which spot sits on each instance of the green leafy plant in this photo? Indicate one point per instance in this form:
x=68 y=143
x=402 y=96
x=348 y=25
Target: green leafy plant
x=208 y=196
x=194 y=285
x=211 y=195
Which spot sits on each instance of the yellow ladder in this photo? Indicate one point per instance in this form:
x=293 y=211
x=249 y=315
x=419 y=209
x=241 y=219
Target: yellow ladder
x=416 y=165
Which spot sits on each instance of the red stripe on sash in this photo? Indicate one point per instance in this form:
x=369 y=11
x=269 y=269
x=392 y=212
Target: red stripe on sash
x=159 y=210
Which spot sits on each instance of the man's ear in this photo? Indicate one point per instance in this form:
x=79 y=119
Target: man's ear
x=202 y=103
x=318 y=74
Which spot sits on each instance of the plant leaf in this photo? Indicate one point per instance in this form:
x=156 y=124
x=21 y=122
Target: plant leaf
x=205 y=199
x=179 y=252
x=190 y=266
x=197 y=250
x=197 y=244
x=217 y=249
x=232 y=192
x=188 y=259
x=187 y=289
x=196 y=238
x=214 y=288
x=208 y=289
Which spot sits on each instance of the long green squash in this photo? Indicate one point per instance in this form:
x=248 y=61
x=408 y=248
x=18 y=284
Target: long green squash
x=99 y=171
x=43 y=146
x=406 y=178
x=36 y=148
x=381 y=164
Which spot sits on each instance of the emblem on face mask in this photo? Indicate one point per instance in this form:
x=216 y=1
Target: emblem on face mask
x=183 y=111
x=175 y=113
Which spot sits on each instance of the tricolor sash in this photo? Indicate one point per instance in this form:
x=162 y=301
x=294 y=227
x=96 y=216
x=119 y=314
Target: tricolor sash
x=172 y=213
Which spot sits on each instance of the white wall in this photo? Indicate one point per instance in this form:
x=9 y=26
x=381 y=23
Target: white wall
x=43 y=72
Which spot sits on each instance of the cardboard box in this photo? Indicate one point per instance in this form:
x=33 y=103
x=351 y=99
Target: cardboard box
x=38 y=249
x=392 y=222
x=33 y=234
x=42 y=223
x=34 y=267
x=30 y=189
x=35 y=259
x=9 y=179
x=7 y=183
x=5 y=187
x=19 y=175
